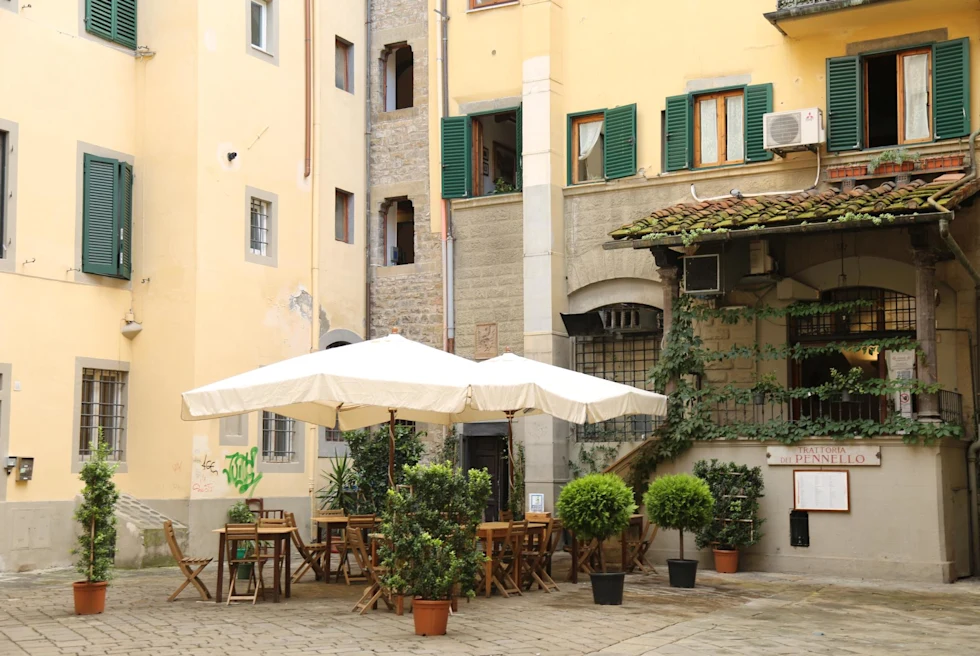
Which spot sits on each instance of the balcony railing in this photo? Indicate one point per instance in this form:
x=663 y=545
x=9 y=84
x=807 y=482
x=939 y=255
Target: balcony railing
x=844 y=408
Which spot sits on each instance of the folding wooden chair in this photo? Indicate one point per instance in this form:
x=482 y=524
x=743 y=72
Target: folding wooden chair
x=506 y=516
x=336 y=540
x=508 y=575
x=372 y=574
x=638 y=551
x=533 y=556
x=256 y=505
x=246 y=535
x=312 y=553
x=185 y=563
x=542 y=562
x=586 y=554
x=359 y=524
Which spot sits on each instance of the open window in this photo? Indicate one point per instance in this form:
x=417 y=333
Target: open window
x=588 y=136
x=899 y=97
x=481 y=154
x=399 y=234
x=719 y=128
x=399 y=77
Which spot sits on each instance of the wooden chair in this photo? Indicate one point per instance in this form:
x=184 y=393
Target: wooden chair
x=248 y=536
x=336 y=540
x=554 y=539
x=312 y=553
x=256 y=505
x=586 y=553
x=638 y=548
x=372 y=574
x=185 y=564
x=506 y=516
x=536 y=558
x=508 y=571
x=269 y=514
x=356 y=524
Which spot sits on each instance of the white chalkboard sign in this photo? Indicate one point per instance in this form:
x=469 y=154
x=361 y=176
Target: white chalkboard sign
x=821 y=490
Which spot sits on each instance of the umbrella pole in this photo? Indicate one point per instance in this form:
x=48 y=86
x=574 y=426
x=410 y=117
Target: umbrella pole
x=391 y=448
x=510 y=451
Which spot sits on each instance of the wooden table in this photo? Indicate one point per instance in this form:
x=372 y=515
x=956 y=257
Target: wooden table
x=331 y=522
x=279 y=536
x=491 y=531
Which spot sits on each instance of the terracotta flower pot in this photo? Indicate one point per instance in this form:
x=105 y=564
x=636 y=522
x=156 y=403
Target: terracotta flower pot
x=431 y=616
x=89 y=597
x=726 y=560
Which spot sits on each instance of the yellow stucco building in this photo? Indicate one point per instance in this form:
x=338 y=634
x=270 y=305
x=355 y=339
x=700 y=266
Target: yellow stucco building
x=183 y=199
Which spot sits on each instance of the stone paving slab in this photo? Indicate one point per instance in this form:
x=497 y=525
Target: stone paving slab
x=757 y=614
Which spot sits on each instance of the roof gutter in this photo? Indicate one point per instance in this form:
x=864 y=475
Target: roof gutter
x=744 y=233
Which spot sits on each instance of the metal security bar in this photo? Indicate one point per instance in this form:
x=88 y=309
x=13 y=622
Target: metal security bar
x=951 y=407
x=102 y=409
x=259 y=227
x=278 y=433
x=888 y=313
x=624 y=358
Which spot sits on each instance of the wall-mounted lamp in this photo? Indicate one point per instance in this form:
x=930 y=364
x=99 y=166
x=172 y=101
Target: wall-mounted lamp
x=10 y=464
x=131 y=329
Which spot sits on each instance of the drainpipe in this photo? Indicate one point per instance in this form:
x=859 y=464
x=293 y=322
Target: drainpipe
x=448 y=267
x=311 y=131
x=961 y=257
x=367 y=173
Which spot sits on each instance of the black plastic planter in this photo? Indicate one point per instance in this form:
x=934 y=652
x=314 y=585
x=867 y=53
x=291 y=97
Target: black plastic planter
x=682 y=572
x=607 y=589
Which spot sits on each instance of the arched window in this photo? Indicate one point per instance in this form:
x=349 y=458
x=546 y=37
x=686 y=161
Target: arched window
x=621 y=343
x=888 y=314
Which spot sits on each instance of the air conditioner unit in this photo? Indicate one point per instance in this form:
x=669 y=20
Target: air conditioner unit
x=801 y=129
x=702 y=274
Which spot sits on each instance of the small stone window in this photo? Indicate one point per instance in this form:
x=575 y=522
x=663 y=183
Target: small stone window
x=399 y=77
x=399 y=234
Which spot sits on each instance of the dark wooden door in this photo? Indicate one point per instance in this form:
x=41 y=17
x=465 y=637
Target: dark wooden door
x=488 y=453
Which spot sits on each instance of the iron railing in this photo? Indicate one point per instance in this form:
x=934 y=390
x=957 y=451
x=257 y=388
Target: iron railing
x=951 y=407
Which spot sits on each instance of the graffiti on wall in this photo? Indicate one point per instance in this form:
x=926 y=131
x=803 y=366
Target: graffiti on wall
x=240 y=470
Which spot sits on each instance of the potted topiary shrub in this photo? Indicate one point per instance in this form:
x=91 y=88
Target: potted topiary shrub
x=684 y=503
x=736 y=523
x=97 y=538
x=430 y=525
x=240 y=514
x=597 y=507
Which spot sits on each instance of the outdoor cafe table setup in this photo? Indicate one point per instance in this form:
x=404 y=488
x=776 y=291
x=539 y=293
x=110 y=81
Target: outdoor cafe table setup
x=489 y=532
x=279 y=535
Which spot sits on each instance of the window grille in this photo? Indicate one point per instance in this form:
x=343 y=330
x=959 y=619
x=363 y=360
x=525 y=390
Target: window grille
x=278 y=433
x=889 y=313
x=259 y=227
x=102 y=408
x=625 y=354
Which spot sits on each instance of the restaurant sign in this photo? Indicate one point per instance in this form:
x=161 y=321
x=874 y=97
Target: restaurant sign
x=831 y=455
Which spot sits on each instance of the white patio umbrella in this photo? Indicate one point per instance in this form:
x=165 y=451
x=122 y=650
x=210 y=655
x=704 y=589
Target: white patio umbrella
x=350 y=387
x=512 y=384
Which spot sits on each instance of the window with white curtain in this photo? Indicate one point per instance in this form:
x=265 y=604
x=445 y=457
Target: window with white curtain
x=719 y=128
x=588 y=144
x=897 y=97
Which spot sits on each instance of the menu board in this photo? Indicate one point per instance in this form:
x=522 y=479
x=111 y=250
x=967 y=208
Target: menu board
x=821 y=489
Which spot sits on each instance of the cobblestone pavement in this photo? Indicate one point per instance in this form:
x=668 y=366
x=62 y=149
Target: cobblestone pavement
x=735 y=614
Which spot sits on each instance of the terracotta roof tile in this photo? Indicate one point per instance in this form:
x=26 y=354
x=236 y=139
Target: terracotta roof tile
x=735 y=214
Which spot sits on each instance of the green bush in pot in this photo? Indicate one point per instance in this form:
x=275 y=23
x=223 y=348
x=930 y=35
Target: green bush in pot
x=736 y=523
x=96 y=544
x=597 y=507
x=239 y=513
x=684 y=503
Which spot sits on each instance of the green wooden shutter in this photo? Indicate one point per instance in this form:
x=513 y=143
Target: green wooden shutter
x=844 y=104
x=99 y=234
x=124 y=23
x=677 y=138
x=455 y=156
x=619 y=150
x=124 y=219
x=758 y=103
x=519 y=175
x=98 y=18
x=951 y=88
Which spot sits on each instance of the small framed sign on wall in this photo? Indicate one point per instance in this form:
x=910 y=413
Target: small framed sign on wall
x=821 y=490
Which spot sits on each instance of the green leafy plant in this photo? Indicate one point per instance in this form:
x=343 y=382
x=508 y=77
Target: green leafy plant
x=369 y=451
x=681 y=502
x=96 y=516
x=340 y=492
x=597 y=506
x=736 y=489
x=449 y=451
x=764 y=386
x=430 y=523
x=592 y=459
x=517 y=496
x=501 y=186
x=898 y=156
x=240 y=514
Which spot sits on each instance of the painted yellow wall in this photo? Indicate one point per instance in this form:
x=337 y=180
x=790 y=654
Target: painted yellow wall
x=206 y=312
x=637 y=51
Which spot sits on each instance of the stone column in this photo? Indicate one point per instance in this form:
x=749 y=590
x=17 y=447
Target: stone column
x=668 y=267
x=545 y=290
x=925 y=327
